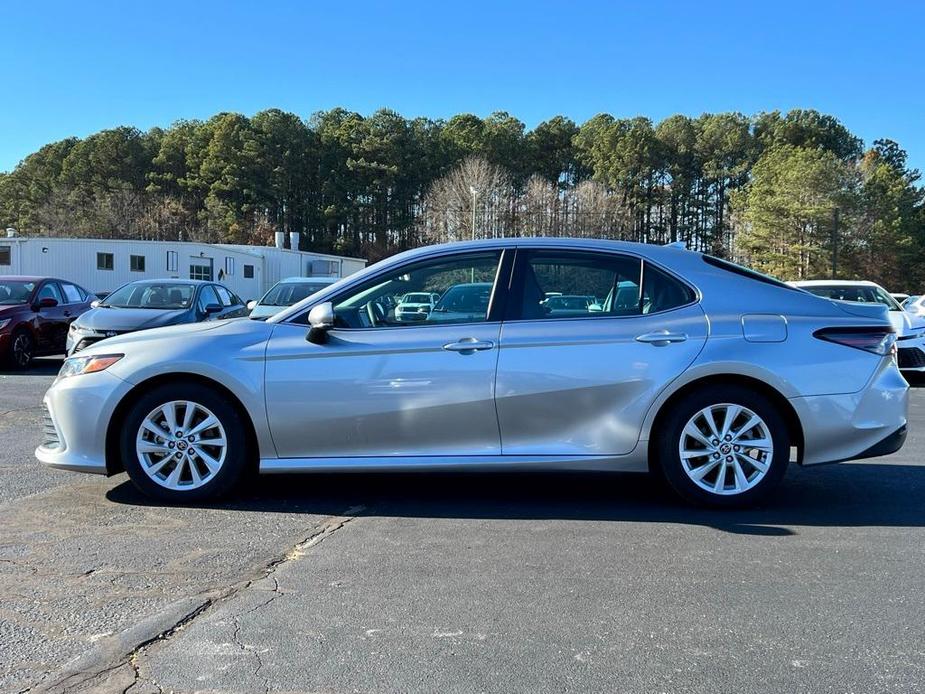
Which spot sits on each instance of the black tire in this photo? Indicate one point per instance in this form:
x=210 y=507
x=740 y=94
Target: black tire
x=237 y=456
x=22 y=349
x=669 y=439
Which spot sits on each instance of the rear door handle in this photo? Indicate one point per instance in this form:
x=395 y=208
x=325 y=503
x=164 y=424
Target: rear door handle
x=468 y=345
x=660 y=338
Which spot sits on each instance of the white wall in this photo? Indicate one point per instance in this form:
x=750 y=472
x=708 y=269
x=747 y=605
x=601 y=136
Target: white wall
x=76 y=260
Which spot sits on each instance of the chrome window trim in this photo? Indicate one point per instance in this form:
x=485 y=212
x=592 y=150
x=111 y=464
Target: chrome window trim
x=469 y=251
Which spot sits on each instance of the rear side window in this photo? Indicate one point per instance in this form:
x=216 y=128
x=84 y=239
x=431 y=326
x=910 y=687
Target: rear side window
x=744 y=271
x=71 y=293
x=224 y=295
x=662 y=292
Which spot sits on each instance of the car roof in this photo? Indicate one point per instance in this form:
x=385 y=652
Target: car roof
x=172 y=280
x=31 y=278
x=315 y=280
x=833 y=283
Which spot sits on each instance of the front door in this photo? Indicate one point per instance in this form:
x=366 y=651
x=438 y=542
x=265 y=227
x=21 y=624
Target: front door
x=590 y=340
x=383 y=385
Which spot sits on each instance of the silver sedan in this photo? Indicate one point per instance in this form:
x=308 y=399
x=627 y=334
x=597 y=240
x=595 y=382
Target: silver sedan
x=711 y=376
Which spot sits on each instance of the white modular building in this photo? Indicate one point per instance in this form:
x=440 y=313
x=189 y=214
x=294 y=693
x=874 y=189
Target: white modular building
x=102 y=265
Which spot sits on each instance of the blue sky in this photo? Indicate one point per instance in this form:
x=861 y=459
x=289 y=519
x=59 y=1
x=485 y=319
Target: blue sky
x=72 y=68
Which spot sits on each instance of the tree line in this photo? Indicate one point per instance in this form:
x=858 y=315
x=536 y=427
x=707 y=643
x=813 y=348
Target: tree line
x=790 y=194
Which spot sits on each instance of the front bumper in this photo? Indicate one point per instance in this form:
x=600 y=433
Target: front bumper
x=911 y=353
x=849 y=426
x=78 y=411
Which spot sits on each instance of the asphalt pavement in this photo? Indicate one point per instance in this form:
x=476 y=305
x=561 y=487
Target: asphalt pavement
x=458 y=583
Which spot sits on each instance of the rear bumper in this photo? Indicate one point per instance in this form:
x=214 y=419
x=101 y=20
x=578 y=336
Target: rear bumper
x=849 y=426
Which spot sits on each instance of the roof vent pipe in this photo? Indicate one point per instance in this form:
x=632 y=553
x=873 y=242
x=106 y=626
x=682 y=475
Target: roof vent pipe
x=11 y=233
x=294 y=240
x=280 y=238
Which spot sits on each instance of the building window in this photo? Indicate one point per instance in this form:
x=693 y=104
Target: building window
x=200 y=270
x=172 y=261
x=6 y=255
x=248 y=272
x=104 y=261
x=229 y=267
x=136 y=263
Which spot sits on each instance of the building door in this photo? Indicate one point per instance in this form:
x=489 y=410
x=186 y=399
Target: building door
x=200 y=268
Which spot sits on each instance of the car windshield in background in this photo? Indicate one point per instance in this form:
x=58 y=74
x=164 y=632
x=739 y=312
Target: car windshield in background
x=165 y=296
x=13 y=293
x=289 y=293
x=420 y=298
x=861 y=293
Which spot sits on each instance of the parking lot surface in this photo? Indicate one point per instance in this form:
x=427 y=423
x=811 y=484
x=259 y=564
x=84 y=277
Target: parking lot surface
x=458 y=582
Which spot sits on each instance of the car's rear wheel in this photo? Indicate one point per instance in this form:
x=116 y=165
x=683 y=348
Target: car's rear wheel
x=723 y=446
x=184 y=442
x=22 y=349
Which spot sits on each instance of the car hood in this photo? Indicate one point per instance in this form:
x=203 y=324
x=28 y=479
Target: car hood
x=149 y=337
x=123 y=319
x=9 y=310
x=265 y=311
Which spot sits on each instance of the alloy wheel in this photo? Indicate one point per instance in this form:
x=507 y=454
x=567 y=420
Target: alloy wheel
x=726 y=449
x=181 y=445
x=22 y=350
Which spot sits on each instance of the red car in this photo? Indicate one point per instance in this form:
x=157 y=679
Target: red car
x=35 y=313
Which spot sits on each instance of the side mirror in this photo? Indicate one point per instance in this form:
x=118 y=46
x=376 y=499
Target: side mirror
x=321 y=319
x=46 y=302
x=95 y=303
x=212 y=309
x=252 y=304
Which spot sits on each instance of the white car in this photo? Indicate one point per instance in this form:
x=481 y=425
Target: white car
x=286 y=293
x=910 y=327
x=415 y=306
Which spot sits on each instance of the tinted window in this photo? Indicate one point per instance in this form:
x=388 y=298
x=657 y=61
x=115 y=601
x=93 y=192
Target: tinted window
x=248 y=272
x=464 y=283
x=208 y=296
x=744 y=271
x=289 y=293
x=71 y=293
x=6 y=255
x=50 y=290
x=104 y=261
x=564 y=284
x=136 y=263
x=661 y=291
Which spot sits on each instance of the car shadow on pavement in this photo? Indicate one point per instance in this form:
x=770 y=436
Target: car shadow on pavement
x=856 y=494
x=40 y=366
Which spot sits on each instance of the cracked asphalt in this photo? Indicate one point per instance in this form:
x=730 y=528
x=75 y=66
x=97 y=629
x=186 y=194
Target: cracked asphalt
x=458 y=583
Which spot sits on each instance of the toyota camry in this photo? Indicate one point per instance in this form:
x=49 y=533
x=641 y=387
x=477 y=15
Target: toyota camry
x=711 y=376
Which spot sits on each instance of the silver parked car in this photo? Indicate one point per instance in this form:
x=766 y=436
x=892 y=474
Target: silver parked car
x=711 y=375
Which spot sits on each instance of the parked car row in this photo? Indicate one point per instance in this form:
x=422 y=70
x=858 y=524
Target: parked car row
x=44 y=315
x=709 y=374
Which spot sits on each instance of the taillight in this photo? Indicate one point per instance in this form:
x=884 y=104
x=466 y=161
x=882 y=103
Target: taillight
x=876 y=340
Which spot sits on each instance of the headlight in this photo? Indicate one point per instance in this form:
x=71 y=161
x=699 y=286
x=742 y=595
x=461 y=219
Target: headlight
x=77 y=329
x=75 y=366
x=4 y=322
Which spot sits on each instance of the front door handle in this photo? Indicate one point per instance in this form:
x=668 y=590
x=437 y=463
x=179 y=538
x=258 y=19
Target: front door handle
x=469 y=345
x=660 y=338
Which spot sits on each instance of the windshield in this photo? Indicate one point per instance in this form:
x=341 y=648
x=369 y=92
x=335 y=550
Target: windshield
x=859 y=293
x=13 y=293
x=162 y=295
x=466 y=298
x=288 y=293
x=416 y=298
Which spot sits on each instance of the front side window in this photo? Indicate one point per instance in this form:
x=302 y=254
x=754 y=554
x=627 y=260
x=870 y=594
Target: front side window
x=208 y=297
x=463 y=282
x=104 y=261
x=50 y=290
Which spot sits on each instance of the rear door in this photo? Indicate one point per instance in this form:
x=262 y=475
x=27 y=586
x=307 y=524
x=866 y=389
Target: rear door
x=580 y=383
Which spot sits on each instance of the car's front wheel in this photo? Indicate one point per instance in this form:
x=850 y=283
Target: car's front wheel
x=22 y=349
x=723 y=446
x=184 y=442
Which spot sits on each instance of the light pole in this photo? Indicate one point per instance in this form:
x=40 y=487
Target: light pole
x=475 y=195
